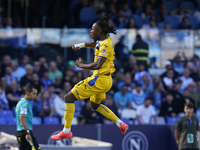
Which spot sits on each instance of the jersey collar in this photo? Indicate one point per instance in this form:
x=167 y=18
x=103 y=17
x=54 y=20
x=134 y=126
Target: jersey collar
x=103 y=39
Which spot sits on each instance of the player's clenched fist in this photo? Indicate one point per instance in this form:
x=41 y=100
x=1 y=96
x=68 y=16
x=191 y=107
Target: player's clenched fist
x=79 y=62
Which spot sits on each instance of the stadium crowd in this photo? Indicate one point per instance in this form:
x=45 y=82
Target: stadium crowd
x=150 y=14
x=132 y=86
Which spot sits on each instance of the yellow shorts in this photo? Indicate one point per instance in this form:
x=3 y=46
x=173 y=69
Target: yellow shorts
x=94 y=87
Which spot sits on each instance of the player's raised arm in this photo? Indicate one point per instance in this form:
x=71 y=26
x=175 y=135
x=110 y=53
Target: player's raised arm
x=91 y=44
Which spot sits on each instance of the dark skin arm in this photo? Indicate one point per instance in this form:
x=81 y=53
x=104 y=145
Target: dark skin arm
x=24 y=125
x=177 y=135
x=92 y=66
x=91 y=44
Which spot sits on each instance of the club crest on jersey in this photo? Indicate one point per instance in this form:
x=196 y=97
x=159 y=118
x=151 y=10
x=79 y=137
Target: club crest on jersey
x=104 y=51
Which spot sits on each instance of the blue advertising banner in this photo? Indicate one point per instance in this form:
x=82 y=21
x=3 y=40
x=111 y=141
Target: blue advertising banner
x=138 y=137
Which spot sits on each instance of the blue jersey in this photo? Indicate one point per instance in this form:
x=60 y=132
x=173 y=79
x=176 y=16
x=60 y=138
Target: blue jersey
x=23 y=108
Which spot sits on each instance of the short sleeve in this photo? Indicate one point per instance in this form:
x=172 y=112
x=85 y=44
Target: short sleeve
x=104 y=51
x=197 y=125
x=24 y=109
x=178 y=125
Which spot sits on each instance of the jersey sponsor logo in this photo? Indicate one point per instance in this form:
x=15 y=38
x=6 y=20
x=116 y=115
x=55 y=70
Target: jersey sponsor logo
x=135 y=140
x=60 y=142
x=23 y=111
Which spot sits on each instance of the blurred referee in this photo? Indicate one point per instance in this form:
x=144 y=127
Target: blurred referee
x=24 y=117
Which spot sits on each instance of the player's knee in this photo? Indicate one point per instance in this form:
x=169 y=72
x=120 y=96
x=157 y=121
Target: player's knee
x=93 y=105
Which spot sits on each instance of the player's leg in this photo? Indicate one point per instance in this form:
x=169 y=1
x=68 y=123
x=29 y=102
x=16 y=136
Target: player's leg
x=68 y=116
x=106 y=112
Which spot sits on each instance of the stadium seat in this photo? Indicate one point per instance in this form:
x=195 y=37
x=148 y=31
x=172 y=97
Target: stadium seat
x=2 y=121
x=128 y=113
x=173 y=21
x=160 y=121
x=172 y=120
x=170 y=5
x=85 y=16
x=187 y=5
x=138 y=20
x=193 y=22
x=51 y=120
x=36 y=121
x=6 y=113
x=160 y=25
x=11 y=121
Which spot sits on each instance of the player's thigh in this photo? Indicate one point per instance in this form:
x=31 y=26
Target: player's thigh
x=97 y=98
x=23 y=144
x=83 y=90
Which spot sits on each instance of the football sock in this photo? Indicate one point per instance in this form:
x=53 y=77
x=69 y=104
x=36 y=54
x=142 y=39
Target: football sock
x=69 y=114
x=118 y=122
x=106 y=112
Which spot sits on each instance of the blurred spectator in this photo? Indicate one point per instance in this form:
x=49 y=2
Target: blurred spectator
x=58 y=83
x=161 y=14
x=3 y=99
x=127 y=81
x=153 y=62
x=43 y=63
x=136 y=7
x=6 y=62
x=196 y=63
x=18 y=72
x=147 y=86
x=140 y=50
x=154 y=3
x=37 y=68
x=185 y=24
x=82 y=4
x=59 y=104
x=3 y=83
x=132 y=66
x=112 y=8
x=67 y=87
x=145 y=112
x=131 y=24
x=97 y=5
x=90 y=116
x=127 y=12
x=168 y=66
x=168 y=107
x=167 y=27
x=9 y=75
x=110 y=104
x=52 y=93
x=121 y=20
x=178 y=65
x=194 y=94
x=151 y=24
x=68 y=75
x=186 y=98
x=60 y=65
x=25 y=61
x=193 y=72
x=186 y=79
x=138 y=96
x=197 y=15
x=121 y=51
x=13 y=94
x=180 y=13
x=46 y=107
x=168 y=80
x=36 y=83
x=45 y=79
x=138 y=75
x=158 y=94
x=198 y=86
x=9 y=23
x=147 y=12
x=54 y=72
x=74 y=80
x=28 y=77
x=1 y=22
x=122 y=98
